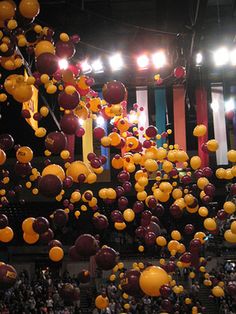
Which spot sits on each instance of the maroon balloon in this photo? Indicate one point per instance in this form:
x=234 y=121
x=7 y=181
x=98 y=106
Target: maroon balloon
x=175 y=211
x=98 y=132
x=150 y=238
x=60 y=218
x=83 y=276
x=127 y=186
x=122 y=202
x=50 y=185
x=233 y=189
x=106 y=258
x=151 y=131
x=189 y=229
x=46 y=237
x=222 y=215
x=186 y=257
x=153 y=227
x=40 y=225
x=65 y=49
x=119 y=191
x=54 y=243
x=147 y=215
x=114 y=92
x=100 y=222
x=73 y=254
x=152 y=203
x=159 y=210
x=3 y=221
x=140 y=232
x=86 y=245
x=123 y=176
x=67 y=101
x=207 y=172
x=210 y=189
x=23 y=169
x=138 y=207
x=67 y=292
x=195 y=245
x=130 y=283
x=165 y=291
x=147 y=144
x=179 y=72
x=8 y=276
x=116 y=216
x=167 y=305
x=67 y=182
x=6 y=142
x=186 y=180
x=69 y=123
x=47 y=63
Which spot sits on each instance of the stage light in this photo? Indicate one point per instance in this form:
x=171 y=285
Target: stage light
x=159 y=59
x=133 y=118
x=229 y=105
x=233 y=57
x=221 y=56
x=100 y=121
x=199 y=59
x=143 y=62
x=215 y=106
x=86 y=67
x=63 y=64
x=116 y=62
x=81 y=121
x=97 y=66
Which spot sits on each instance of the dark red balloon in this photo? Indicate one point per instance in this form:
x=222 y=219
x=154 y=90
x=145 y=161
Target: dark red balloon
x=189 y=229
x=186 y=257
x=100 y=222
x=73 y=254
x=86 y=245
x=150 y=238
x=67 y=101
x=207 y=172
x=67 y=292
x=60 y=218
x=154 y=227
x=6 y=142
x=54 y=243
x=151 y=131
x=140 y=232
x=116 y=216
x=130 y=283
x=106 y=258
x=210 y=189
x=222 y=215
x=69 y=123
x=3 y=221
x=98 y=132
x=165 y=291
x=138 y=207
x=114 y=92
x=123 y=176
x=175 y=211
x=8 y=276
x=47 y=63
x=50 y=185
x=83 y=276
x=40 y=225
x=23 y=169
x=122 y=202
x=179 y=72
x=46 y=237
x=65 y=49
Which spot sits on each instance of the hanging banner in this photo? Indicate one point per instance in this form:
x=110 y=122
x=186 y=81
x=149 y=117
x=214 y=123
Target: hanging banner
x=202 y=118
x=218 y=108
x=160 y=109
x=143 y=118
x=179 y=116
x=31 y=106
x=87 y=139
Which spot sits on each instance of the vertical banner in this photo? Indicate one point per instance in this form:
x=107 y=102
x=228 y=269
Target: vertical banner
x=202 y=118
x=143 y=118
x=219 y=124
x=179 y=116
x=233 y=96
x=87 y=138
x=160 y=109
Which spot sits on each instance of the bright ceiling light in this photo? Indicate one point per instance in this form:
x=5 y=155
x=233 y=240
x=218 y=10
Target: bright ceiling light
x=86 y=67
x=116 y=62
x=133 y=118
x=81 y=121
x=221 y=56
x=63 y=64
x=159 y=59
x=97 y=66
x=229 y=105
x=233 y=57
x=100 y=121
x=215 y=106
x=199 y=59
x=143 y=62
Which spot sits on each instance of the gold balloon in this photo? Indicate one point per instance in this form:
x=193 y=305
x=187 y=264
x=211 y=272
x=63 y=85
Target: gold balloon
x=56 y=254
x=6 y=234
x=31 y=238
x=55 y=170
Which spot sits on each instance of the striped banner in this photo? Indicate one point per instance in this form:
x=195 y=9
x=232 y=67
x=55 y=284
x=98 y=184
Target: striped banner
x=219 y=124
x=160 y=109
x=179 y=116
x=202 y=118
x=143 y=119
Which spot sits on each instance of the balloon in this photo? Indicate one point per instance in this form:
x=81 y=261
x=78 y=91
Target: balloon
x=47 y=236
x=56 y=254
x=44 y=46
x=6 y=234
x=86 y=245
x=129 y=215
x=40 y=225
x=69 y=123
x=7 y=10
x=68 y=101
x=151 y=131
x=60 y=218
x=47 y=63
x=24 y=154
x=22 y=92
x=23 y=169
x=150 y=238
x=83 y=276
x=100 y=222
x=229 y=207
x=53 y=243
x=3 y=221
x=151 y=280
x=50 y=185
x=229 y=236
x=6 y=142
x=73 y=253
x=200 y=130
x=30 y=238
x=65 y=49
x=55 y=142
x=212 y=145
x=231 y=155
x=195 y=162
x=138 y=207
x=77 y=168
x=29 y=8
x=130 y=283
x=165 y=291
x=189 y=229
x=161 y=241
x=210 y=224
x=106 y=258
x=101 y=302
x=27 y=225
x=218 y=292
x=8 y=276
x=114 y=92
x=54 y=169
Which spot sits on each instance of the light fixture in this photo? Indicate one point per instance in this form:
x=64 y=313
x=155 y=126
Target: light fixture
x=199 y=59
x=159 y=59
x=81 y=121
x=215 y=106
x=143 y=62
x=97 y=66
x=229 y=105
x=116 y=62
x=86 y=67
x=233 y=57
x=100 y=121
x=63 y=64
x=221 y=56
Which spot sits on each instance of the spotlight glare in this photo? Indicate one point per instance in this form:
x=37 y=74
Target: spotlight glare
x=97 y=66
x=86 y=67
x=233 y=57
x=159 y=59
x=221 y=56
x=215 y=106
x=116 y=62
x=133 y=118
x=81 y=121
x=199 y=59
x=63 y=64
x=100 y=121
x=229 y=105
x=143 y=62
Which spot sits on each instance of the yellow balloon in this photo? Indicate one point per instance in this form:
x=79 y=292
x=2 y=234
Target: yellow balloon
x=55 y=170
x=177 y=193
x=101 y=302
x=31 y=238
x=229 y=207
x=22 y=92
x=229 y=236
x=29 y=8
x=76 y=168
x=151 y=280
x=161 y=241
x=233 y=227
x=56 y=254
x=218 y=292
x=176 y=235
x=203 y=211
x=167 y=166
x=24 y=154
x=120 y=225
x=150 y=165
x=27 y=225
x=212 y=145
x=195 y=162
x=7 y=10
x=231 y=155
x=2 y=157
x=128 y=215
x=200 y=235
x=202 y=182
x=210 y=224
x=173 y=245
x=44 y=46
x=6 y=234
x=200 y=130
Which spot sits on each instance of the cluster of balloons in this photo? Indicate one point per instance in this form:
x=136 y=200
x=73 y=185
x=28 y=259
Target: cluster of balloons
x=138 y=158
